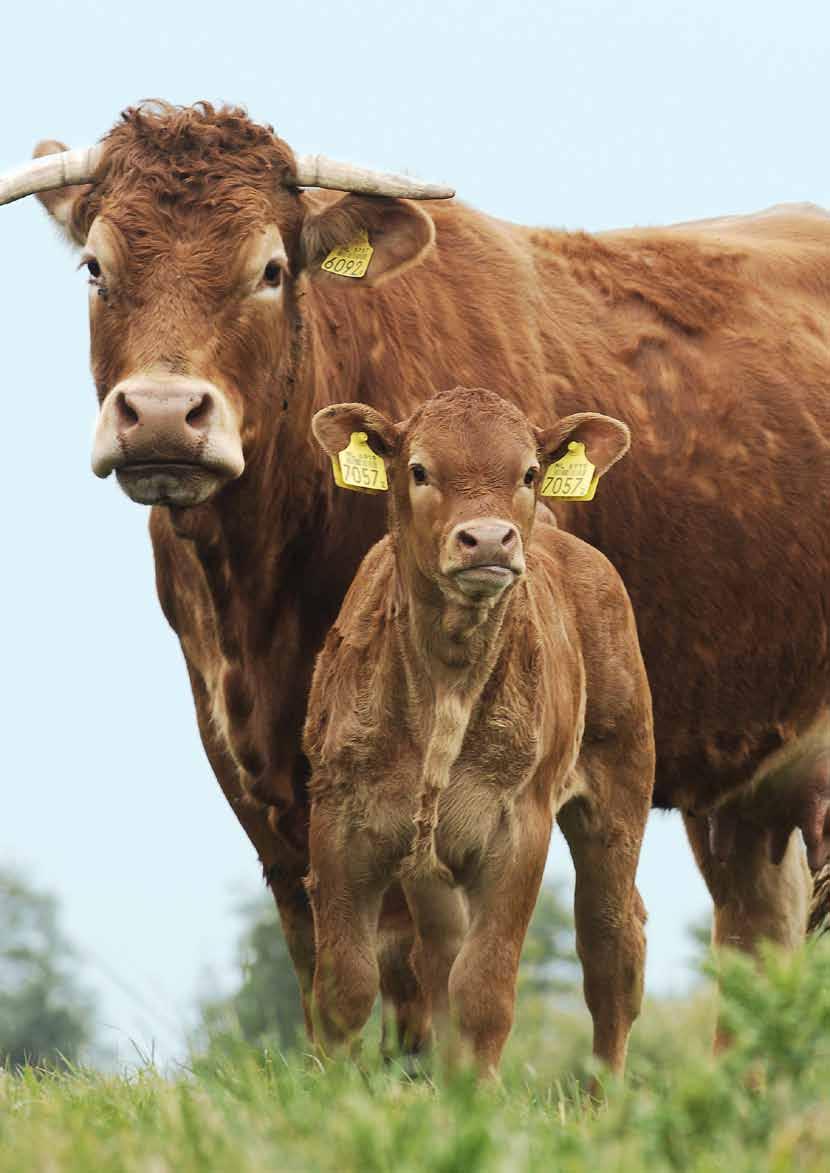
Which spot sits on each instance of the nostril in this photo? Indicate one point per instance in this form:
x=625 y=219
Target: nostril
x=127 y=414
x=509 y=537
x=199 y=412
x=467 y=539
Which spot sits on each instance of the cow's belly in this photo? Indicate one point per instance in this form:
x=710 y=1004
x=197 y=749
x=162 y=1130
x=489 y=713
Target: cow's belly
x=736 y=650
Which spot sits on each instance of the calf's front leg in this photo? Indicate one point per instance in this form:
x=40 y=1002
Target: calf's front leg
x=482 y=982
x=345 y=901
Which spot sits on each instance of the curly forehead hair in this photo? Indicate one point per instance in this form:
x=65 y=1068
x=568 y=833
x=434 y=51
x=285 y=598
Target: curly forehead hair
x=448 y=409
x=165 y=160
x=191 y=146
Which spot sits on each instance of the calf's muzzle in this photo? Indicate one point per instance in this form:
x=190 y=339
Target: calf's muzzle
x=484 y=556
x=169 y=440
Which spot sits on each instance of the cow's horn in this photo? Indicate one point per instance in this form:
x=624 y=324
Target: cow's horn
x=49 y=171
x=69 y=167
x=318 y=171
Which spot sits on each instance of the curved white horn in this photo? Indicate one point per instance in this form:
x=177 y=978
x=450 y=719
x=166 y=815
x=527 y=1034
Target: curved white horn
x=69 y=167
x=49 y=171
x=318 y=171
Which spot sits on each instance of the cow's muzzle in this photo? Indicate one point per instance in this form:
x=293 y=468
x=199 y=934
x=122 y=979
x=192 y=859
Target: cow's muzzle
x=171 y=440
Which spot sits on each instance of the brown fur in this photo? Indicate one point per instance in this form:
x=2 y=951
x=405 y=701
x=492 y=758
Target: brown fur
x=710 y=339
x=476 y=718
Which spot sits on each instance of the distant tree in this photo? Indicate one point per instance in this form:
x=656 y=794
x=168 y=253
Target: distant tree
x=265 y=1007
x=699 y=934
x=45 y=1015
x=549 y=962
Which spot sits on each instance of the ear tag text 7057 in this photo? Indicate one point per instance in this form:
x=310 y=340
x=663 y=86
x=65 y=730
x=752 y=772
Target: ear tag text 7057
x=572 y=477
x=352 y=259
x=358 y=468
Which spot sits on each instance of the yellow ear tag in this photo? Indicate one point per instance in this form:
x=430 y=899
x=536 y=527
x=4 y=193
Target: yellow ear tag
x=352 y=259
x=359 y=468
x=572 y=477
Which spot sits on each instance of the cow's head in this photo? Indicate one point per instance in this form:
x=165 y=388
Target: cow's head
x=464 y=478
x=197 y=239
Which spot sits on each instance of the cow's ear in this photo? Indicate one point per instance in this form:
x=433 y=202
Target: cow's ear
x=399 y=233
x=65 y=205
x=606 y=440
x=333 y=427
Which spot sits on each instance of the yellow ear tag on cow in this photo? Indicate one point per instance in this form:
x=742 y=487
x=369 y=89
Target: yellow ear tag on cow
x=572 y=477
x=359 y=468
x=352 y=259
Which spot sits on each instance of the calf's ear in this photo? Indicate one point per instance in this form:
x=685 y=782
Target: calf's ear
x=333 y=427
x=398 y=231
x=606 y=440
x=64 y=204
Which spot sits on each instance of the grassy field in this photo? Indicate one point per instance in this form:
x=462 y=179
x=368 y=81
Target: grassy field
x=763 y=1106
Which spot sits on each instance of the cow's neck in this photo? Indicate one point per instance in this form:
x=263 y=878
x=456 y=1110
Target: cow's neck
x=255 y=541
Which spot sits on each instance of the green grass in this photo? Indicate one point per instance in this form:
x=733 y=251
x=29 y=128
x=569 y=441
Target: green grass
x=763 y=1106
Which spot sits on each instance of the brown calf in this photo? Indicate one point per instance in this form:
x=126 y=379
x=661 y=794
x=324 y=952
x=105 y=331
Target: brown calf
x=482 y=678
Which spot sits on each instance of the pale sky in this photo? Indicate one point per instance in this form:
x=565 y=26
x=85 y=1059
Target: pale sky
x=583 y=114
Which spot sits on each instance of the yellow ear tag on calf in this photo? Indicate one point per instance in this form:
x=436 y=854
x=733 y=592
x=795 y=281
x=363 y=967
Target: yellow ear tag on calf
x=352 y=259
x=359 y=468
x=572 y=477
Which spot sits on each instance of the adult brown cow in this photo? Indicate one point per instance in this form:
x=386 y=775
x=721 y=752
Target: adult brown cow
x=216 y=334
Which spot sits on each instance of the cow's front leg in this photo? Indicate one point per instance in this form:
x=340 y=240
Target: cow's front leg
x=604 y=830
x=294 y=910
x=345 y=899
x=502 y=896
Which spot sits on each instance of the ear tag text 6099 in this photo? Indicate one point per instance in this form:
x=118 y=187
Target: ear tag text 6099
x=572 y=477
x=352 y=259
x=358 y=468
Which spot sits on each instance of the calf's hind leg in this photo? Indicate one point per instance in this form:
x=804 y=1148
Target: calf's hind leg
x=406 y=1008
x=604 y=832
x=440 y=917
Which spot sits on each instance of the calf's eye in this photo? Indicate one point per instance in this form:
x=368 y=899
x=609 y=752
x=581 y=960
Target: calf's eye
x=419 y=474
x=530 y=476
x=93 y=268
x=272 y=274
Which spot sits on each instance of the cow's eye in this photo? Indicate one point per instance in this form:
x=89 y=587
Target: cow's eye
x=272 y=275
x=530 y=475
x=93 y=268
x=419 y=474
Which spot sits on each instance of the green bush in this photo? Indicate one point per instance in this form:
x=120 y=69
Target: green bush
x=760 y=1108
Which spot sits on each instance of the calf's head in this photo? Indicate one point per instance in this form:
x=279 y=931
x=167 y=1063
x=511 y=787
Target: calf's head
x=464 y=475
x=196 y=236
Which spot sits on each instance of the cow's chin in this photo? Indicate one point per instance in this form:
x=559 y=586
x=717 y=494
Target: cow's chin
x=177 y=485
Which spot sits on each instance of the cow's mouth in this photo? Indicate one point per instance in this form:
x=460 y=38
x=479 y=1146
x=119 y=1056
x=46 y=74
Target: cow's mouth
x=175 y=483
x=484 y=581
